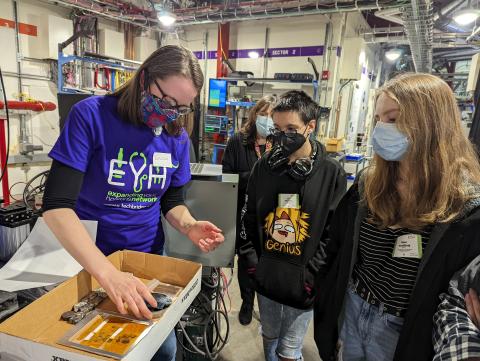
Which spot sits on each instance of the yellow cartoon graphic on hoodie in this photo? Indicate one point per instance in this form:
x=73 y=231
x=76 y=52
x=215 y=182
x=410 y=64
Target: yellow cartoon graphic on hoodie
x=286 y=229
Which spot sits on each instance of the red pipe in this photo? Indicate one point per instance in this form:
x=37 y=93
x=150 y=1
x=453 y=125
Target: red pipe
x=37 y=106
x=223 y=46
x=3 y=160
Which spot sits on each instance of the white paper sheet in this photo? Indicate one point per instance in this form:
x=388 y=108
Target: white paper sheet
x=41 y=260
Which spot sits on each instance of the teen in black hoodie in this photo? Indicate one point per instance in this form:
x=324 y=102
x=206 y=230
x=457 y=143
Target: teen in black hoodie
x=291 y=193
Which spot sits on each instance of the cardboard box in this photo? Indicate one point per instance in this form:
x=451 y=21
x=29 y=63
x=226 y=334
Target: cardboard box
x=334 y=145
x=33 y=333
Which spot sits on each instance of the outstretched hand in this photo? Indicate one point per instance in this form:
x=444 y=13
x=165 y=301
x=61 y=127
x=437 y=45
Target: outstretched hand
x=205 y=235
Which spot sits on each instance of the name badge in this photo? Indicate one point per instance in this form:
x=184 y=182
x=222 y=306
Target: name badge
x=408 y=246
x=289 y=201
x=162 y=160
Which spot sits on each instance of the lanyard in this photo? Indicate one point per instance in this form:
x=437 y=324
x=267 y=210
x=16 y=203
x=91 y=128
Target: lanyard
x=268 y=147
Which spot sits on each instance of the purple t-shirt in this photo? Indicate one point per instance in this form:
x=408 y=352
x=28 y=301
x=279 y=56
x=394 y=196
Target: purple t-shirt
x=127 y=170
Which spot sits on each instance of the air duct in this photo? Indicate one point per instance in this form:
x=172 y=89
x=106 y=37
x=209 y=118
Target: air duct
x=418 y=22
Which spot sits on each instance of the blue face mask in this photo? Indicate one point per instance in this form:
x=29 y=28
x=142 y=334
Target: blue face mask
x=388 y=142
x=264 y=124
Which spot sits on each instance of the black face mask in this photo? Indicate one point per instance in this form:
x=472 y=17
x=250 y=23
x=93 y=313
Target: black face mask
x=289 y=143
x=299 y=170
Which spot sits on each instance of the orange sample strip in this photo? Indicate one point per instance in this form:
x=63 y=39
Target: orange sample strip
x=110 y=333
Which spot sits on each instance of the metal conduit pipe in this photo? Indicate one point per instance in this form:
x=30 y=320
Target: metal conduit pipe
x=246 y=5
x=474 y=34
x=294 y=12
x=106 y=14
x=392 y=15
x=383 y=31
x=26 y=76
x=405 y=41
x=447 y=9
x=456 y=54
x=248 y=12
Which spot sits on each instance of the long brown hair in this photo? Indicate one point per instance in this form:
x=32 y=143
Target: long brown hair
x=166 y=61
x=249 y=130
x=440 y=162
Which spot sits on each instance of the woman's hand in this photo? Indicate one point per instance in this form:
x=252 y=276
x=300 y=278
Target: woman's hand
x=205 y=235
x=124 y=288
x=473 y=306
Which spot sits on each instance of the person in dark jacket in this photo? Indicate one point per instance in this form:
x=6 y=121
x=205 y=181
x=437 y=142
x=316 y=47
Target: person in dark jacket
x=243 y=150
x=456 y=334
x=291 y=193
x=401 y=232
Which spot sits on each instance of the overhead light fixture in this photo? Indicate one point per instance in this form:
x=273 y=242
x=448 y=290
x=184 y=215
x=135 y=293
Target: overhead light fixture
x=362 y=57
x=166 y=17
x=393 y=54
x=253 y=55
x=466 y=16
x=165 y=14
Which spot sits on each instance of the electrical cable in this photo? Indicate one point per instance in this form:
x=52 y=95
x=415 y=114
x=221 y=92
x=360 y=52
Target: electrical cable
x=30 y=192
x=4 y=166
x=226 y=285
x=10 y=190
x=209 y=310
x=42 y=141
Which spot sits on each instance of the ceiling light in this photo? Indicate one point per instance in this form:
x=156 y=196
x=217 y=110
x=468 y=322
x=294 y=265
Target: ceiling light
x=393 y=54
x=362 y=57
x=466 y=16
x=166 y=17
x=253 y=55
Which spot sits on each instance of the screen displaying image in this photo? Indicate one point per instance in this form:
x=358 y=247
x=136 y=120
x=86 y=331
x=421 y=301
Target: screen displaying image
x=217 y=96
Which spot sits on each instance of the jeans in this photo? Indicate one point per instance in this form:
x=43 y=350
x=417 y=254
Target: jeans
x=283 y=329
x=368 y=333
x=168 y=350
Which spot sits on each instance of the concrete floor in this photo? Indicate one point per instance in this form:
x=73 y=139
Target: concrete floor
x=245 y=342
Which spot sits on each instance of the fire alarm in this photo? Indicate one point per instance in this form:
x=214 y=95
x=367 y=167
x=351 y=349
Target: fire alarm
x=325 y=75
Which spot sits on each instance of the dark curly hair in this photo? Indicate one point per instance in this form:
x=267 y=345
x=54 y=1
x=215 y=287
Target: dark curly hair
x=299 y=102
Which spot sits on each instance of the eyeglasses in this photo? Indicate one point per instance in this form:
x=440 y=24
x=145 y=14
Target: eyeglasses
x=171 y=103
x=277 y=132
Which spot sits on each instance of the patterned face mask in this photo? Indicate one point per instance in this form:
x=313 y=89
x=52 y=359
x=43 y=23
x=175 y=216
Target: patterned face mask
x=156 y=111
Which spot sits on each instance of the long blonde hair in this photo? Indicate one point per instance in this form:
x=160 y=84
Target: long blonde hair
x=440 y=162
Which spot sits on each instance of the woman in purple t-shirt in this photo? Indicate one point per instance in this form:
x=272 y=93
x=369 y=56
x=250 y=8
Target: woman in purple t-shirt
x=122 y=160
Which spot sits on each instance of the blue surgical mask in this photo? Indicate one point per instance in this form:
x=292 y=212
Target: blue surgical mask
x=264 y=124
x=388 y=142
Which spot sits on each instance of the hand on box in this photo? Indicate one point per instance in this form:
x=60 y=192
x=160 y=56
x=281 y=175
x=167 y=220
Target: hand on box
x=124 y=289
x=205 y=235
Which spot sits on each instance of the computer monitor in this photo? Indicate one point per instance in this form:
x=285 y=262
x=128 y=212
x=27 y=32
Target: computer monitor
x=217 y=95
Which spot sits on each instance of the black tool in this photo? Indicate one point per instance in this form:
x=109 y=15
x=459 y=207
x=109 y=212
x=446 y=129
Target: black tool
x=163 y=301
